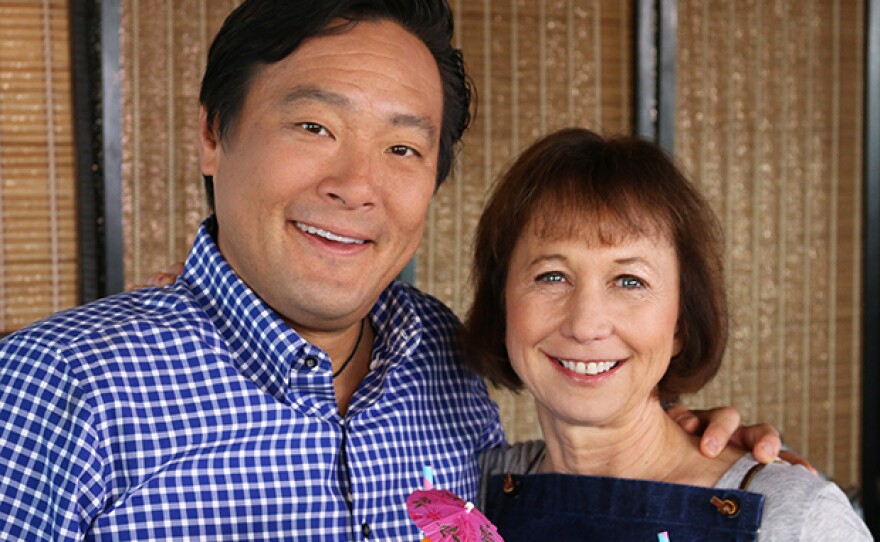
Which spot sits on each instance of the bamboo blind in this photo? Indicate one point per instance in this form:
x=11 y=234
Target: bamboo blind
x=165 y=44
x=38 y=251
x=768 y=122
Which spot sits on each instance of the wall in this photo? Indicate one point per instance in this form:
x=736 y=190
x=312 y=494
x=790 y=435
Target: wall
x=38 y=250
x=769 y=120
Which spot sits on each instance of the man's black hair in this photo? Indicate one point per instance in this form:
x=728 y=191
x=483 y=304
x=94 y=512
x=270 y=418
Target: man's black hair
x=261 y=32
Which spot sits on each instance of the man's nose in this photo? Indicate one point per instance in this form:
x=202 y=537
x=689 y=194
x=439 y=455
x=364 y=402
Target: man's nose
x=352 y=180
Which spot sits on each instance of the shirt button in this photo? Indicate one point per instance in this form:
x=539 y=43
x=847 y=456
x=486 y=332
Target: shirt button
x=311 y=362
x=365 y=530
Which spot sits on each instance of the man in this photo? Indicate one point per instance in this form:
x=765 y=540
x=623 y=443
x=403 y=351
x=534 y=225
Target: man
x=284 y=388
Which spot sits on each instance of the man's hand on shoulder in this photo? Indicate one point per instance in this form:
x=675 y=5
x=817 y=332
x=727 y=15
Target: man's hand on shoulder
x=161 y=278
x=721 y=426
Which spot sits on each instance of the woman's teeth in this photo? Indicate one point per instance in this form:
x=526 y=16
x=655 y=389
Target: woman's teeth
x=591 y=368
x=327 y=235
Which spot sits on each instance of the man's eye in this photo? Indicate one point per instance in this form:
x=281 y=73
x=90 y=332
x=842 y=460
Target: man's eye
x=629 y=281
x=314 y=128
x=551 y=276
x=403 y=150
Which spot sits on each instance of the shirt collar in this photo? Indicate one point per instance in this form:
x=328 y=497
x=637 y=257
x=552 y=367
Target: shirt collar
x=267 y=350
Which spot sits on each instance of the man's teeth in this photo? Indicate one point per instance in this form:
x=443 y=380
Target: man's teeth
x=327 y=235
x=591 y=368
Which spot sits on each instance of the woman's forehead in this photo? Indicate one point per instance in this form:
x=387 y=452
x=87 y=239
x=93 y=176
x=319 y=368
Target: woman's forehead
x=599 y=227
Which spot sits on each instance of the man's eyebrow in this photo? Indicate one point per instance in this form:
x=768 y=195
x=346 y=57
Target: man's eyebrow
x=423 y=124
x=312 y=93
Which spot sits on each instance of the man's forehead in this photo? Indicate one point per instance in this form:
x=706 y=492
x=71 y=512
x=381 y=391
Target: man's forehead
x=360 y=45
x=374 y=60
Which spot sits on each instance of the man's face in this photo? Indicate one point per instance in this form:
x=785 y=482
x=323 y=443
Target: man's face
x=323 y=184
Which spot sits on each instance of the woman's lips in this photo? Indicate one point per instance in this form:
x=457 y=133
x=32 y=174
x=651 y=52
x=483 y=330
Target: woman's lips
x=589 y=368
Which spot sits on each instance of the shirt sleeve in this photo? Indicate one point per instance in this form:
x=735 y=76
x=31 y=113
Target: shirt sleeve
x=50 y=471
x=492 y=434
x=830 y=514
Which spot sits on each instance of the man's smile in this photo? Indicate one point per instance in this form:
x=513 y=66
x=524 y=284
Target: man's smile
x=313 y=230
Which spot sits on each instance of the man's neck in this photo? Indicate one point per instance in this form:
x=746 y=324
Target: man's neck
x=350 y=369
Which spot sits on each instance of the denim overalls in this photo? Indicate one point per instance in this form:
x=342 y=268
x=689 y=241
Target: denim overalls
x=561 y=507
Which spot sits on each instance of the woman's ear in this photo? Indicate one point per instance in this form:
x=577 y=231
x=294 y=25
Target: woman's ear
x=677 y=342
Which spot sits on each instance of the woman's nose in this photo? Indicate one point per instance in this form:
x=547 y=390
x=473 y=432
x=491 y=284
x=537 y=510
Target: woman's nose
x=587 y=317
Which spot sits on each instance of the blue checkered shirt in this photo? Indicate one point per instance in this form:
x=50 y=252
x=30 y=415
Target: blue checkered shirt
x=195 y=412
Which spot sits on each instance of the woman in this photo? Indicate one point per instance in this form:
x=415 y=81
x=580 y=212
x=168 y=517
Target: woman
x=606 y=264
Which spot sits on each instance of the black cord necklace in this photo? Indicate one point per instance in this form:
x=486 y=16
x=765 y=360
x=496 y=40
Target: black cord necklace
x=357 y=343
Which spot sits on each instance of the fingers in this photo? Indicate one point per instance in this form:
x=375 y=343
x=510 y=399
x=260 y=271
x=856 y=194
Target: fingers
x=175 y=269
x=688 y=420
x=761 y=439
x=167 y=276
x=795 y=459
x=722 y=427
x=721 y=423
x=161 y=278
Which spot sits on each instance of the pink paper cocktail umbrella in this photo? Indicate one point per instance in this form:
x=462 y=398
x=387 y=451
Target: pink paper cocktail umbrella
x=445 y=517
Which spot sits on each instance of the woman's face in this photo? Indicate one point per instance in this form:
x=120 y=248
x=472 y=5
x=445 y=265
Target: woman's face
x=591 y=328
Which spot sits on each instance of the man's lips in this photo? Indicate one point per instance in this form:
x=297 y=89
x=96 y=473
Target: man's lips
x=328 y=235
x=589 y=368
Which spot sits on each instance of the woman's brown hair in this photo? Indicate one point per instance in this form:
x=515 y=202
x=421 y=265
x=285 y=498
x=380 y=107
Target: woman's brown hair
x=576 y=183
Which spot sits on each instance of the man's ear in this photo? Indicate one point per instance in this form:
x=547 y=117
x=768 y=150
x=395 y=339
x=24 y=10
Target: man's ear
x=209 y=143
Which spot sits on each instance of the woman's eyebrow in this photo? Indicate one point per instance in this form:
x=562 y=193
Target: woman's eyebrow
x=555 y=257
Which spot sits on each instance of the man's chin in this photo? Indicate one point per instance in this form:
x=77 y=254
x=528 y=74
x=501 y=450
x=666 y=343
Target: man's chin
x=331 y=307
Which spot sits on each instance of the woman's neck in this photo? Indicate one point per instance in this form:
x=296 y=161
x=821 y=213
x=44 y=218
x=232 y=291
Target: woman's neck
x=646 y=445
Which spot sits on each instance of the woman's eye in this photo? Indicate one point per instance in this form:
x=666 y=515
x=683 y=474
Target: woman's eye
x=629 y=281
x=403 y=150
x=551 y=276
x=314 y=128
